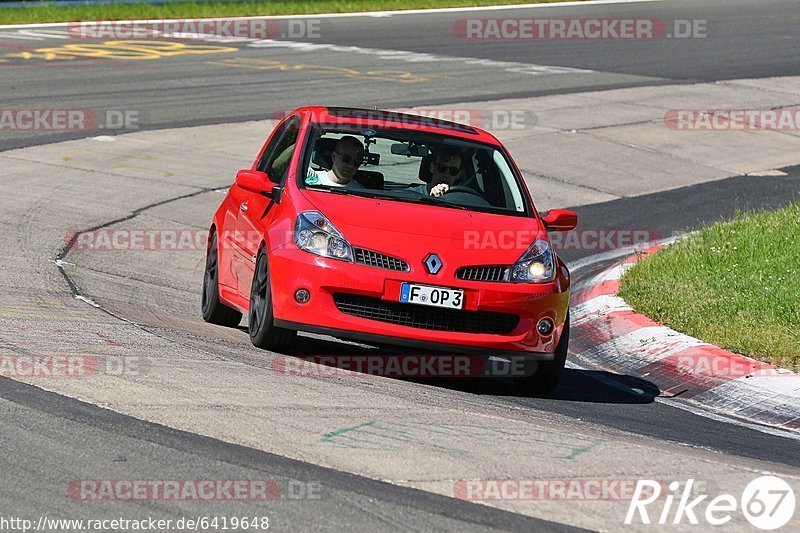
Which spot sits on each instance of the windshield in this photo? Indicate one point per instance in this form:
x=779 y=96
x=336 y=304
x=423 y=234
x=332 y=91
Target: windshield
x=414 y=167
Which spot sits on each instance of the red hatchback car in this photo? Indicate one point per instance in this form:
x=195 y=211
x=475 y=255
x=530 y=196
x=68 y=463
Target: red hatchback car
x=390 y=228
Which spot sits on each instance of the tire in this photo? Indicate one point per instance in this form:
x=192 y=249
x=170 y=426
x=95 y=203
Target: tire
x=213 y=310
x=548 y=373
x=263 y=332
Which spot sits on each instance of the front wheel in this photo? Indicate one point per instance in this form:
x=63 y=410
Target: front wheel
x=548 y=373
x=263 y=332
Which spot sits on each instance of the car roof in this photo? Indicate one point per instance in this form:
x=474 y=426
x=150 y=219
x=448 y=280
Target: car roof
x=380 y=119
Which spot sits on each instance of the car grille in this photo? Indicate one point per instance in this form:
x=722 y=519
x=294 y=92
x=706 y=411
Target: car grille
x=375 y=259
x=483 y=273
x=425 y=317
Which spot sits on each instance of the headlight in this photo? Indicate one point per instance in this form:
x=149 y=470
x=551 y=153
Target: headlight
x=537 y=265
x=314 y=233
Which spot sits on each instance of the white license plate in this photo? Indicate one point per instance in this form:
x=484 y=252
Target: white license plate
x=434 y=296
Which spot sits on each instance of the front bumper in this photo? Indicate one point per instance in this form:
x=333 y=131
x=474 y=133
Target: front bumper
x=292 y=269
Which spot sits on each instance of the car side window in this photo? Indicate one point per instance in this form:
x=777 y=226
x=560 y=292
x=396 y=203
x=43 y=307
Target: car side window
x=480 y=170
x=278 y=154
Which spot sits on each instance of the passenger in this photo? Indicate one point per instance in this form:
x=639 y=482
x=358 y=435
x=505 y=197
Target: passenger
x=445 y=171
x=346 y=158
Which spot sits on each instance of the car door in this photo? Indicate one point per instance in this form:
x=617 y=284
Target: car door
x=230 y=242
x=257 y=211
x=238 y=202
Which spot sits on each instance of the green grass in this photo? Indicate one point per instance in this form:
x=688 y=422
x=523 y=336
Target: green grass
x=51 y=13
x=735 y=285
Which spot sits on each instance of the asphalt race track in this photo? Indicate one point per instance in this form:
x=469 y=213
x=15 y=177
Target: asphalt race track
x=364 y=453
x=747 y=39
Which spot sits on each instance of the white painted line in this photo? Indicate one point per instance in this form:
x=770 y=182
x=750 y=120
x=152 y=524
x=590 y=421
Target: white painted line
x=622 y=252
x=416 y=57
x=88 y=301
x=400 y=55
x=18 y=35
x=707 y=412
x=771 y=400
x=642 y=347
x=772 y=173
x=752 y=403
x=742 y=401
x=616 y=273
x=786 y=384
x=597 y=308
x=46 y=34
x=611 y=274
x=376 y=14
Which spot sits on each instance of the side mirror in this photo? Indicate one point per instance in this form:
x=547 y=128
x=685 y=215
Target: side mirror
x=560 y=220
x=254 y=181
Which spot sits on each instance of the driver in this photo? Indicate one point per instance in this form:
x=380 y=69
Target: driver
x=346 y=157
x=445 y=170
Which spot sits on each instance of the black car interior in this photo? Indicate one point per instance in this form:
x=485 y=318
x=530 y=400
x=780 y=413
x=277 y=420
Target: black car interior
x=479 y=176
x=323 y=160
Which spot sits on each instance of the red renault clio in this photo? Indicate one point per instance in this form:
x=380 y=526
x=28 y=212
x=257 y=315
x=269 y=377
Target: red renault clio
x=390 y=228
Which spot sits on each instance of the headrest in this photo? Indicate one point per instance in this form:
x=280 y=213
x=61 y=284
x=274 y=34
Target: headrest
x=425 y=168
x=322 y=152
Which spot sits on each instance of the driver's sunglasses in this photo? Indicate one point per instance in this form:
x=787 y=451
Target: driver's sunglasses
x=357 y=160
x=453 y=171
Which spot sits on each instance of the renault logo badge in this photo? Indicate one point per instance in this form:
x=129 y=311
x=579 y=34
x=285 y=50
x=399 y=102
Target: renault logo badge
x=433 y=263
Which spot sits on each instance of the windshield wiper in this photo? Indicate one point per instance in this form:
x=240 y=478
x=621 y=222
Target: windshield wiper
x=337 y=190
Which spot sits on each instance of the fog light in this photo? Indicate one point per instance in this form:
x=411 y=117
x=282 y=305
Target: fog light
x=302 y=296
x=545 y=326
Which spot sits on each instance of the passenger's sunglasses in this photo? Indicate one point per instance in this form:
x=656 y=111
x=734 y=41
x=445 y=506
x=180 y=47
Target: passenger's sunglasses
x=453 y=171
x=357 y=160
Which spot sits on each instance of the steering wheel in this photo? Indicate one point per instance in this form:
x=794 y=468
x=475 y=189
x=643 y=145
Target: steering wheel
x=462 y=188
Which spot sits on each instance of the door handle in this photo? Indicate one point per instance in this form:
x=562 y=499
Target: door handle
x=243 y=206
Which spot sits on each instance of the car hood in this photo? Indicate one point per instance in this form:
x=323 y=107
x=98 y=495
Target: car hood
x=406 y=229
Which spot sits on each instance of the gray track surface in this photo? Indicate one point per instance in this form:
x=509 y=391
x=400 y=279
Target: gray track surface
x=60 y=439
x=112 y=446
x=745 y=39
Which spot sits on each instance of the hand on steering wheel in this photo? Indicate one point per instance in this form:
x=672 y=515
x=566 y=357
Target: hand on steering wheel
x=439 y=190
x=461 y=188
